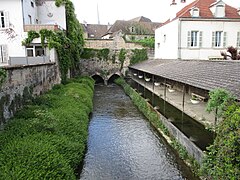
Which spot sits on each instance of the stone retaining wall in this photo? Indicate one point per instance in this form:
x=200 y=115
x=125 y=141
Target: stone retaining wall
x=191 y=148
x=22 y=84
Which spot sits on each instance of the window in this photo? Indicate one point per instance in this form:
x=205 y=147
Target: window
x=32 y=4
x=132 y=29
x=195 y=12
x=3 y=54
x=195 y=39
x=220 y=11
x=238 y=39
x=29 y=19
x=33 y=51
x=4 y=22
x=219 y=39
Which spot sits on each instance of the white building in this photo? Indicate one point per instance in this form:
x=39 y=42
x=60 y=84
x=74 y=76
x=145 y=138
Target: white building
x=17 y=17
x=200 y=30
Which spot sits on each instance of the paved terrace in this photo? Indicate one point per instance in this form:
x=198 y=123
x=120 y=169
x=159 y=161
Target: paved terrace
x=206 y=75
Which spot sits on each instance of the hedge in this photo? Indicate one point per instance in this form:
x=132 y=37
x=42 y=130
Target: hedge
x=47 y=139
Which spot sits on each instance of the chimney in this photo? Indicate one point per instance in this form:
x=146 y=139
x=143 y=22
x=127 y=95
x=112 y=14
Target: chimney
x=173 y=10
x=173 y=3
x=238 y=11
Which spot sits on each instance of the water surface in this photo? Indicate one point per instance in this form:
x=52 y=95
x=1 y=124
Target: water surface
x=122 y=144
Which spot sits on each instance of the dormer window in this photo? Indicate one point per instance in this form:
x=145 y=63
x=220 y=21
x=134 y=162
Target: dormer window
x=195 y=12
x=132 y=29
x=220 y=11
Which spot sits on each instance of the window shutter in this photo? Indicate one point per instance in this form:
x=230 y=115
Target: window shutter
x=200 y=38
x=5 y=53
x=224 y=39
x=238 y=39
x=189 y=39
x=213 y=39
x=6 y=15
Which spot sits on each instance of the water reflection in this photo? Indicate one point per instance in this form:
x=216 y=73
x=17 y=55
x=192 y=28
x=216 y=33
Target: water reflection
x=122 y=145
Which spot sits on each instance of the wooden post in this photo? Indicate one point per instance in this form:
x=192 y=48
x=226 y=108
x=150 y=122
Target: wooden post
x=183 y=102
x=164 y=105
x=138 y=82
x=152 y=90
x=144 y=84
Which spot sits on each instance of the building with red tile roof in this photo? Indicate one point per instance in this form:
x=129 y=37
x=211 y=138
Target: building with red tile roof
x=200 y=30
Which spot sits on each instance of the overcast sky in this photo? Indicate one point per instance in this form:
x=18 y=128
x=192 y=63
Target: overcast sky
x=112 y=10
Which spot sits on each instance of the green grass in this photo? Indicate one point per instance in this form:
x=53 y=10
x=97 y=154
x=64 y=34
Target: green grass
x=47 y=139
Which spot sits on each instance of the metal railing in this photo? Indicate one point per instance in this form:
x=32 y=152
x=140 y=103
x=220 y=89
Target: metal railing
x=28 y=60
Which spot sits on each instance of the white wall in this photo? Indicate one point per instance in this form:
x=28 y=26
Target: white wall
x=48 y=13
x=168 y=48
x=14 y=9
x=29 y=10
x=207 y=27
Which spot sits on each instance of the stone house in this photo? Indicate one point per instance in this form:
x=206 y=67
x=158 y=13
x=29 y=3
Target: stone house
x=94 y=31
x=134 y=29
x=200 y=30
x=20 y=16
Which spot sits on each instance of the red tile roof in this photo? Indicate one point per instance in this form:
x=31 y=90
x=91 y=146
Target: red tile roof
x=205 y=12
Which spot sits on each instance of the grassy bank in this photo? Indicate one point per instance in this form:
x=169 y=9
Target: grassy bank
x=154 y=117
x=46 y=140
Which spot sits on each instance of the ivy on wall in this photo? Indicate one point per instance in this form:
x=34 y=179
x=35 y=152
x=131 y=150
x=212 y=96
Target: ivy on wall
x=122 y=57
x=69 y=44
x=148 y=42
x=89 y=53
x=139 y=55
x=3 y=76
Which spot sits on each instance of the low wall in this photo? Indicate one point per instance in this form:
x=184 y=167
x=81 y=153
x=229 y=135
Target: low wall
x=117 y=43
x=191 y=148
x=22 y=84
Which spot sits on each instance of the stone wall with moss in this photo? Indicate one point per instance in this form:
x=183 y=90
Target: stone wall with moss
x=22 y=84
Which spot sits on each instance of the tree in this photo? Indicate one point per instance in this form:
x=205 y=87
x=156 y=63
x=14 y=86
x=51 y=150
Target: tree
x=222 y=161
x=122 y=57
x=219 y=100
x=231 y=53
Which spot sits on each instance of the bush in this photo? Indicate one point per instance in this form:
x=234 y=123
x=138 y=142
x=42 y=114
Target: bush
x=58 y=120
x=223 y=157
x=30 y=159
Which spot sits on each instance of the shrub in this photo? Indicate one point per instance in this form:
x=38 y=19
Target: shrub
x=29 y=159
x=223 y=157
x=58 y=120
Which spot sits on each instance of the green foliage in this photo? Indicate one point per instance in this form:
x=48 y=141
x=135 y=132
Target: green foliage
x=30 y=159
x=148 y=42
x=31 y=36
x=46 y=140
x=101 y=54
x=154 y=118
x=88 y=53
x=223 y=157
x=3 y=75
x=219 y=100
x=114 y=58
x=139 y=55
x=74 y=32
x=69 y=44
x=122 y=57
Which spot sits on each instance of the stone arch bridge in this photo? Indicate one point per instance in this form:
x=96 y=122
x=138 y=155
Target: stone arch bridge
x=101 y=71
